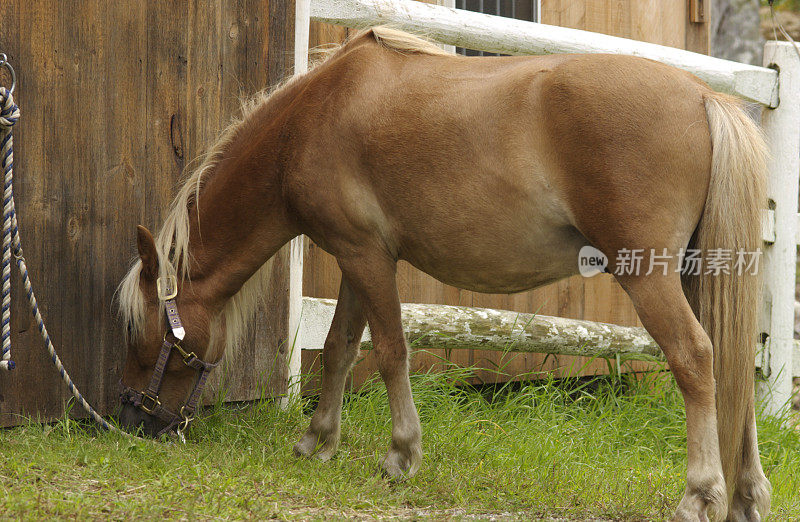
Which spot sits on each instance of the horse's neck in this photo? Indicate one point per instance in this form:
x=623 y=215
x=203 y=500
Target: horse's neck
x=242 y=220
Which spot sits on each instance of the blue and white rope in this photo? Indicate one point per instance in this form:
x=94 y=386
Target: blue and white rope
x=9 y=114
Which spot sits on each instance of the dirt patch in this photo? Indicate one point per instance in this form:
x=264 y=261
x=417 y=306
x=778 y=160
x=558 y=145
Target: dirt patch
x=796 y=397
x=426 y=514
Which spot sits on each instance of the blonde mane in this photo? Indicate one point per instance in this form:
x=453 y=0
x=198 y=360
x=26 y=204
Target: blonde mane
x=172 y=240
x=403 y=42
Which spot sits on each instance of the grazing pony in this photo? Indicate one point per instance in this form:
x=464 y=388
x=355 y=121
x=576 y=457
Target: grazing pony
x=490 y=174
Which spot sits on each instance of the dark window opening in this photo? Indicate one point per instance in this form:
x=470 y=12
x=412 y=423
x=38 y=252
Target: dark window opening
x=520 y=9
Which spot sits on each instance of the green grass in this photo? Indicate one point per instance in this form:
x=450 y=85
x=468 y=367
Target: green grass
x=606 y=448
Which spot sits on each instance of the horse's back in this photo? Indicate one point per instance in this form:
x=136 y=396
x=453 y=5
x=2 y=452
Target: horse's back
x=512 y=162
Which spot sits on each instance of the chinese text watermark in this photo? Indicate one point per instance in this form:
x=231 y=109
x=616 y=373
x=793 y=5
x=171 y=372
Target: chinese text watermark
x=687 y=261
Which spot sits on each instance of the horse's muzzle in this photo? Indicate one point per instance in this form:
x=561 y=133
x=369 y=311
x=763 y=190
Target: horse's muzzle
x=132 y=418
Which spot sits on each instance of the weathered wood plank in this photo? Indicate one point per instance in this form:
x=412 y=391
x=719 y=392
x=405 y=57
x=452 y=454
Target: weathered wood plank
x=115 y=104
x=238 y=57
x=82 y=94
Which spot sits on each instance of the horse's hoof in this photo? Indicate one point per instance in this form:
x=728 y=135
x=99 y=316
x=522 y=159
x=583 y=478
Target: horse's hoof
x=705 y=500
x=399 y=465
x=751 y=502
x=317 y=446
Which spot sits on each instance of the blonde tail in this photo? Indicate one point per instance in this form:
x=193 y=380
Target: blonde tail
x=727 y=304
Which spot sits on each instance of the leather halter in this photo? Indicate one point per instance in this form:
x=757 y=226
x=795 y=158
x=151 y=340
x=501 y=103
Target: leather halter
x=147 y=401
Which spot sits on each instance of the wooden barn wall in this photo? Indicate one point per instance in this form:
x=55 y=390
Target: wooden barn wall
x=116 y=102
x=596 y=299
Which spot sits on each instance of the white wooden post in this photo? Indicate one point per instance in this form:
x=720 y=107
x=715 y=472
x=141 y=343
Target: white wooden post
x=782 y=128
x=302 y=22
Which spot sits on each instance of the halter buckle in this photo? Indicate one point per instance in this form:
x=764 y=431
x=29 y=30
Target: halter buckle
x=188 y=357
x=167 y=287
x=153 y=403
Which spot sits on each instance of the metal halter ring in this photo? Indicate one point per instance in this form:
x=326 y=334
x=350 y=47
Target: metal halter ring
x=4 y=62
x=183 y=425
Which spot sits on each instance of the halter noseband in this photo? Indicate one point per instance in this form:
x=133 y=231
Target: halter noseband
x=147 y=401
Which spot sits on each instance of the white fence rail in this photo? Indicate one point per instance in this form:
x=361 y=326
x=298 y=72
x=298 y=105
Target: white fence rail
x=779 y=91
x=498 y=34
x=460 y=327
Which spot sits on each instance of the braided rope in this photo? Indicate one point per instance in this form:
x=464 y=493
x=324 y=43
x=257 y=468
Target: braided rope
x=9 y=114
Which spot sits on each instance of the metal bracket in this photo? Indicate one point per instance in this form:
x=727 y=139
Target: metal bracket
x=698 y=12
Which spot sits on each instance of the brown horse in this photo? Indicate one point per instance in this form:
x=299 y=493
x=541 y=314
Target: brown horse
x=489 y=174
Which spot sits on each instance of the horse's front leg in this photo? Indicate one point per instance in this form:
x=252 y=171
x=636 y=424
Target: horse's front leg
x=338 y=355
x=372 y=277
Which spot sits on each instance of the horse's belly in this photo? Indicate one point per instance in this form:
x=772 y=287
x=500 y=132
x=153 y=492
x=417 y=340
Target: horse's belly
x=505 y=263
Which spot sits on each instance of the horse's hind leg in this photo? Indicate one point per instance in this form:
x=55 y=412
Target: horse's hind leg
x=752 y=495
x=372 y=276
x=667 y=316
x=338 y=355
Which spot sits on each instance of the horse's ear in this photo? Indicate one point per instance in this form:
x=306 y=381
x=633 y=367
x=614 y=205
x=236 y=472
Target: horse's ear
x=147 y=252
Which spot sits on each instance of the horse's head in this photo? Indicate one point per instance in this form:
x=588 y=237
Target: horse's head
x=173 y=342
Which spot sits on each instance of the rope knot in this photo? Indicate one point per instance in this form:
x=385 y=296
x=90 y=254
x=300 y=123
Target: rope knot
x=9 y=112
